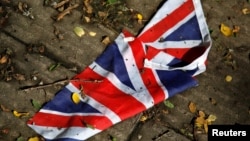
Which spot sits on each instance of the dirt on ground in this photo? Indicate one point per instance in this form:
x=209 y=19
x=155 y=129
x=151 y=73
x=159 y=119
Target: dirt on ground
x=40 y=50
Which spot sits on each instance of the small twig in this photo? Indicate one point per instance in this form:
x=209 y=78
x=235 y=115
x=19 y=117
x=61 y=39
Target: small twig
x=28 y=88
x=61 y=4
x=80 y=80
x=66 y=11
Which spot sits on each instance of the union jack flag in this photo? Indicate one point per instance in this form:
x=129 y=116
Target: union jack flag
x=132 y=74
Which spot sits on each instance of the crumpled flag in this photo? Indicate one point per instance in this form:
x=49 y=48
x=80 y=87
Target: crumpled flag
x=131 y=75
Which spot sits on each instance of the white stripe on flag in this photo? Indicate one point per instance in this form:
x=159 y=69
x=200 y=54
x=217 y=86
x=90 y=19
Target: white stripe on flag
x=167 y=8
x=141 y=96
x=179 y=24
x=176 y=44
x=111 y=77
x=134 y=73
x=162 y=58
x=202 y=21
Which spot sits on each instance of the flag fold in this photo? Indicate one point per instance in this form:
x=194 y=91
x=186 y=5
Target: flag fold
x=132 y=74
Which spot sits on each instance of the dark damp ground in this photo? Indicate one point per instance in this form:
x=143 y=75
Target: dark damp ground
x=39 y=51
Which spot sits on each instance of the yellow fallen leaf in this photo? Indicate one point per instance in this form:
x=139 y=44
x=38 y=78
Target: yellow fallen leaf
x=205 y=126
x=20 y=114
x=225 y=30
x=34 y=139
x=91 y=33
x=79 y=31
x=143 y=118
x=139 y=16
x=199 y=122
x=75 y=98
x=192 y=107
x=211 y=118
x=229 y=78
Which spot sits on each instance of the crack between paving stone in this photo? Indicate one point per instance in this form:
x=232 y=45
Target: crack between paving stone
x=15 y=38
x=176 y=130
x=46 y=53
x=137 y=127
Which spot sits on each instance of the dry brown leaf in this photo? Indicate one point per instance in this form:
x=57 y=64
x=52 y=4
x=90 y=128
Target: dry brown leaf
x=245 y=11
x=202 y=114
x=5 y=131
x=205 y=126
x=4 y=59
x=5 y=109
x=61 y=15
x=192 y=107
x=20 y=6
x=143 y=118
x=19 y=77
x=88 y=7
x=199 y=122
x=102 y=14
x=213 y=101
x=87 y=19
x=106 y=40
x=165 y=111
x=236 y=29
x=60 y=4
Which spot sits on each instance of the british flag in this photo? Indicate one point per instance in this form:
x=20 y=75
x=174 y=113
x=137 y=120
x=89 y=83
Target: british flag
x=132 y=74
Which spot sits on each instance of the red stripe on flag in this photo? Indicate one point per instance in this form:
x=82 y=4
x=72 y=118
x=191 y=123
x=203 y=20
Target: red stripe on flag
x=152 y=85
x=185 y=54
x=154 y=33
x=60 y=121
x=152 y=52
x=138 y=52
x=147 y=75
x=107 y=94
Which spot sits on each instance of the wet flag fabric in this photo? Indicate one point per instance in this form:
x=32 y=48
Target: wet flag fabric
x=131 y=75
